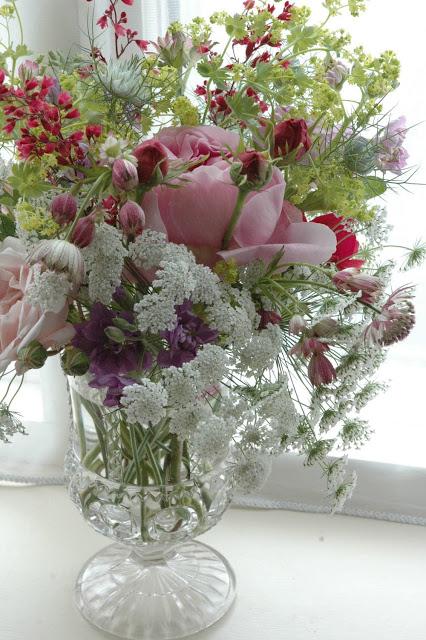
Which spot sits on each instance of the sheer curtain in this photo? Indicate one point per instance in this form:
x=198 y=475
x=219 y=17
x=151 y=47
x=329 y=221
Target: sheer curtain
x=393 y=472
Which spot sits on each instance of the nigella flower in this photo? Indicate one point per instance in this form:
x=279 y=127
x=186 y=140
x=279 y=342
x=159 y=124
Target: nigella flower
x=184 y=340
x=395 y=321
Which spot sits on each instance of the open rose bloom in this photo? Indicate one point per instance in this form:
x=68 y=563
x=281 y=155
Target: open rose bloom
x=205 y=259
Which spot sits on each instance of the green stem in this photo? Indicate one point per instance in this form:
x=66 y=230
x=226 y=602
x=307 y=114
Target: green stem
x=95 y=187
x=234 y=218
x=175 y=459
x=134 y=445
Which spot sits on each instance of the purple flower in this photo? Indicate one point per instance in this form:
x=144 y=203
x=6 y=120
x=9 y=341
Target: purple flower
x=186 y=338
x=392 y=155
x=106 y=355
x=114 y=384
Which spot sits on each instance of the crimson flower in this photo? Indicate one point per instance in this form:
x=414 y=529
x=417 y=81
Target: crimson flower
x=347 y=243
x=290 y=135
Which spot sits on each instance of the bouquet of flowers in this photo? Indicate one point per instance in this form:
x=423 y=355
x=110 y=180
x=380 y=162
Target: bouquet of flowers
x=196 y=230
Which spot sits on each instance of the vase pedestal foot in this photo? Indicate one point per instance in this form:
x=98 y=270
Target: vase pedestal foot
x=132 y=596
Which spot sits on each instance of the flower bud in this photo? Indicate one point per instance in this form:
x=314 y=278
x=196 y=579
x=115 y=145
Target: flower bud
x=353 y=280
x=325 y=328
x=115 y=335
x=27 y=70
x=359 y=155
x=252 y=171
x=84 y=232
x=152 y=161
x=33 y=356
x=336 y=73
x=132 y=219
x=321 y=370
x=124 y=175
x=63 y=208
x=296 y=324
x=74 y=362
x=291 y=135
x=269 y=317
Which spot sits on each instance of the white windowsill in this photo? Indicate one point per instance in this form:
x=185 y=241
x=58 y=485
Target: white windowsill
x=300 y=576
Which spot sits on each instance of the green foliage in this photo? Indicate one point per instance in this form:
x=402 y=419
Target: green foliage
x=28 y=180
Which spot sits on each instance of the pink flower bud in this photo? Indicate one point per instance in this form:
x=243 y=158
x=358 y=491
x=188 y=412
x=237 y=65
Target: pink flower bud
x=321 y=370
x=132 y=219
x=151 y=157
x=63 y=208
x=124 y=175
x=28 y=69
x=84 y=232
x=353 y=280
x=268 y=317
x=296 y=324
x=255 y=167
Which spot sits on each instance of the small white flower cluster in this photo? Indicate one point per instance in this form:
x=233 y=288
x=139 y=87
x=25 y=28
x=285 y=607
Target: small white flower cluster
x=251 y=470
x=344 y=492
x=104 y=261
x=261 y=351
x=48 y=289
x=9 y=424
x=279 y=410
x=212 y=437
x=144 y=403
x=185 y=420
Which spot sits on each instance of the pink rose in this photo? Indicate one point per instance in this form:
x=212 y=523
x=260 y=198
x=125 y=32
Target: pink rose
x=20 y=322
x=198 y=213
x=301 y=241
x=190 y=143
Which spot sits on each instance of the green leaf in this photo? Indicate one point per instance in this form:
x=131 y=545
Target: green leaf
x=7 y=227
x=374 y=187
x=243 y=107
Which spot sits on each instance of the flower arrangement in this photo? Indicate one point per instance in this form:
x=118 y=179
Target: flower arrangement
x=197 y=233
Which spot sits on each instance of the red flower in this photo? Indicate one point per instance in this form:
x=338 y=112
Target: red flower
x=128 y=2
x=151 y=156
x=142 y=44
x=93 y=131
x=290 y=135
x=347 y=243
x=103 y=22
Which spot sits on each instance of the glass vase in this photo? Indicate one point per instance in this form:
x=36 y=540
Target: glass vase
x=142 y=488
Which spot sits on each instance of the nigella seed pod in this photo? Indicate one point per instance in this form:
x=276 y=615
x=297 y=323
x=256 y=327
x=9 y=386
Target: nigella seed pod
x=132 y=219
x=63 y=208
x=84 y=232
x=359 y=155
x=124 y=175
x=74 y=362
x=33 y=356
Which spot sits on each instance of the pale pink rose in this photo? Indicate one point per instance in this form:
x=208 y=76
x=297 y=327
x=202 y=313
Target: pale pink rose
x=191 y=143
x=197 y=214
x=299 y=240
x=20 y=322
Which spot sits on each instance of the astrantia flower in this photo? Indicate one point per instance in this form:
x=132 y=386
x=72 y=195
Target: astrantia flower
x=353 y=280
x=396 y=320
x=60 y=256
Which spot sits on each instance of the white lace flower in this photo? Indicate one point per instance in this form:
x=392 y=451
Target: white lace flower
x=104 y=260
x=145 y=402
x=147 y=251
x=261 y=351
x=155 y=313
x=183 y=385
x=9 y=424
x=211 y=439
x=211 y=363
x=251 y=470
x=279 y=410
x=48 y=289
x=185 y=420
